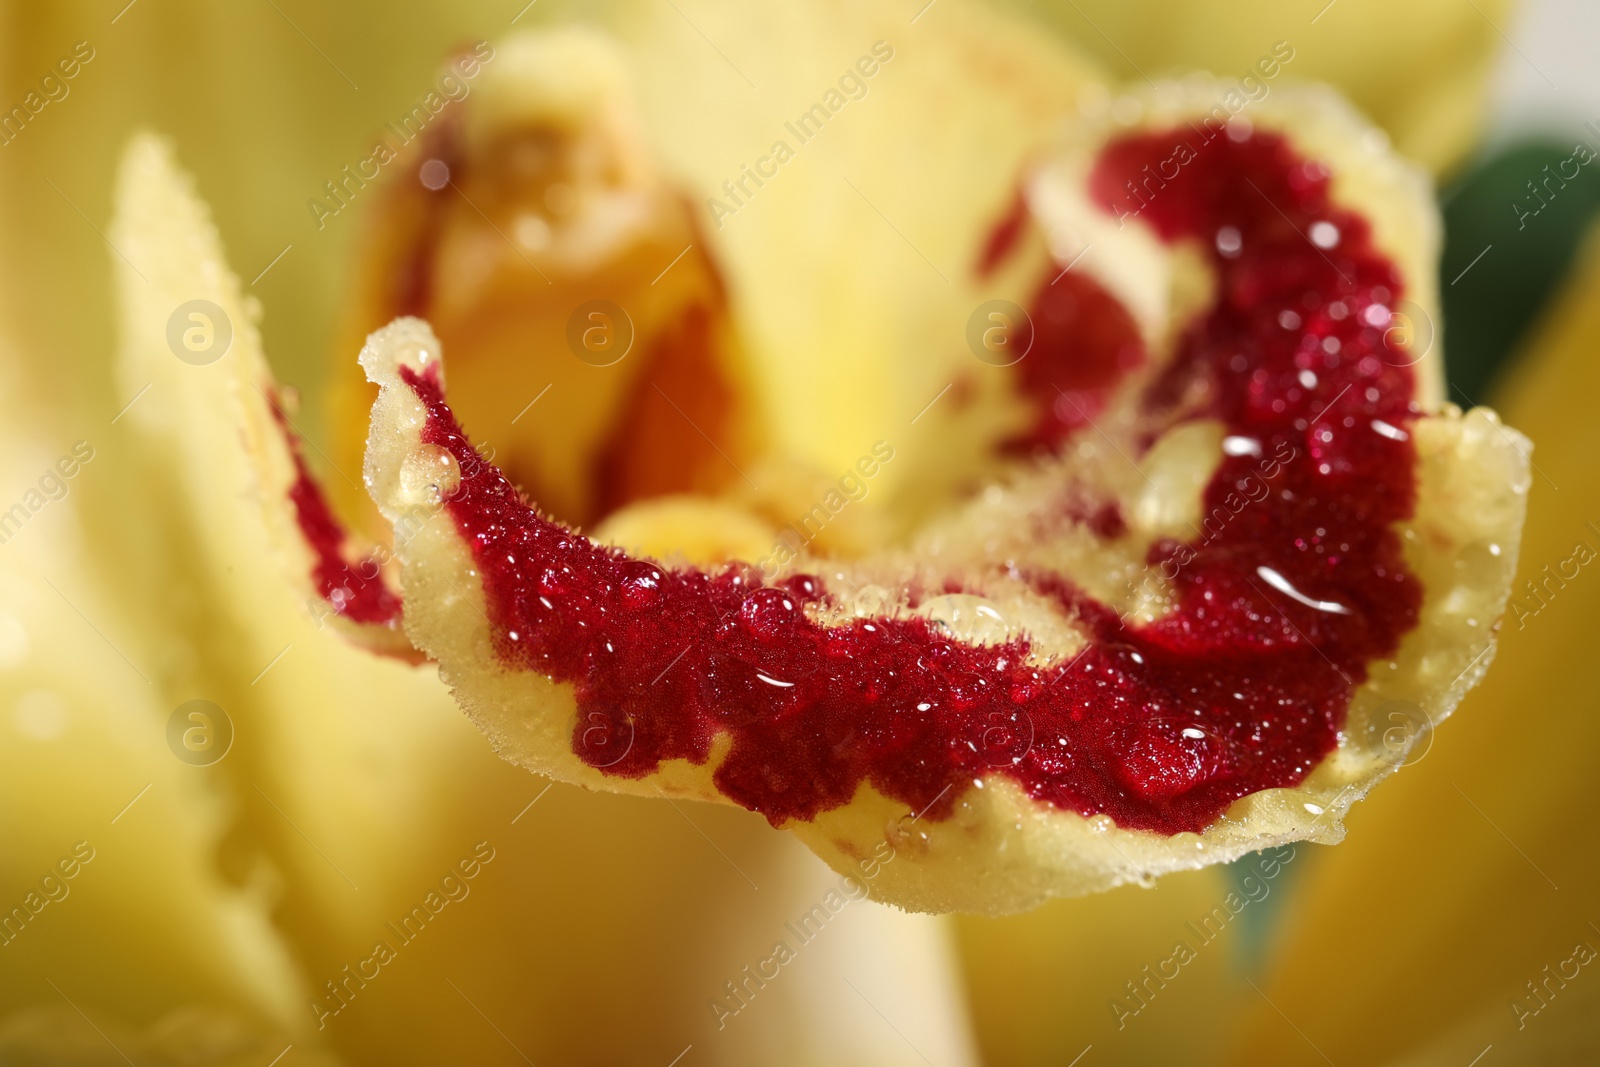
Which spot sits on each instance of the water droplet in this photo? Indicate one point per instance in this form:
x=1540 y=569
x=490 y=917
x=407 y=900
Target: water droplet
x=1165 y=762
x=769 y=613
x=1229 y=241
x=554 y=581
x=972 y=619
x=1281 y=584
x=429 y=475
x=774 y=681
x=1241 y=446
x=434 y=174
x=641 y=583
x=1394 y=433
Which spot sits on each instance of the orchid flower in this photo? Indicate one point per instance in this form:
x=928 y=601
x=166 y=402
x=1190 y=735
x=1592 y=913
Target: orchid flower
x=686 y=459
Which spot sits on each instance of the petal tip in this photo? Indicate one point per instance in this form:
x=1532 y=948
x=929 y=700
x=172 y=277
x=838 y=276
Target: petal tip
x=406 y=342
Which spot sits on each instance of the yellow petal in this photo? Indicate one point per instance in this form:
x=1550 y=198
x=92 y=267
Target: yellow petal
x=111 y=839
x=1420 y=70
x=852 y=266
x=1501 y=883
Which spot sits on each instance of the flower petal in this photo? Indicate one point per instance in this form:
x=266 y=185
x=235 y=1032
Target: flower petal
x=1420 y=70
x=211 y=382
x=110 y=839
x=850 y=268
x=1469 y=911
x=551 y=604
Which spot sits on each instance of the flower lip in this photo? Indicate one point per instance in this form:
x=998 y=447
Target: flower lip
x=1160 y=726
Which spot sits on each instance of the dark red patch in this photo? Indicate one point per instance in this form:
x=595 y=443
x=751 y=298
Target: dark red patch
x=1240 y=688
x=1002 y=240
x=356 y=591
x=422 y=217
x=1104 y=520
x=1084 y=341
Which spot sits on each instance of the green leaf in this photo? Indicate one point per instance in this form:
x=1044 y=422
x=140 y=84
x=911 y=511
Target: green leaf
x=1512 y=225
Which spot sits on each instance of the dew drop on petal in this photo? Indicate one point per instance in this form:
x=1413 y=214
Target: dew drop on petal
x=429 y=475
x=1229 y=241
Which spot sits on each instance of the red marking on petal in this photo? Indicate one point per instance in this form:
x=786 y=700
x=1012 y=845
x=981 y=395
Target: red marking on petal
x=1241 y=687
x=1003 y=239
x=1084 y=341
x=356 y=591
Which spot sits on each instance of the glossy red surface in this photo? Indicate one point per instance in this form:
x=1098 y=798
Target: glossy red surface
x=354 y=590
x=1084 y=342
x=1295 y=582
